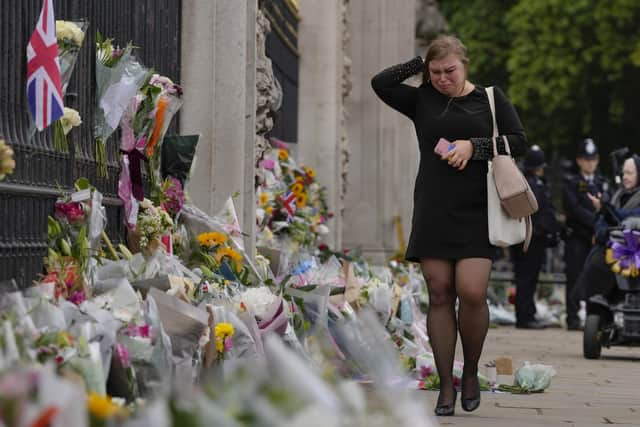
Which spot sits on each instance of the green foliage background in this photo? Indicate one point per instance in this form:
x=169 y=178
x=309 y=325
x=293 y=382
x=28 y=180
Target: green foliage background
x=571 y=67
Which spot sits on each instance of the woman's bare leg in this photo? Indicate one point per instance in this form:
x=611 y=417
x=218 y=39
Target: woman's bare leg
x=441 y=321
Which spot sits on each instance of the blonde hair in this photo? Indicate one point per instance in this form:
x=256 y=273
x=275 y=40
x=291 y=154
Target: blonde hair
x=442 y=46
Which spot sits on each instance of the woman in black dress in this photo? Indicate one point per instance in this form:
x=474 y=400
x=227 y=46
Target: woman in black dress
x=449 y=233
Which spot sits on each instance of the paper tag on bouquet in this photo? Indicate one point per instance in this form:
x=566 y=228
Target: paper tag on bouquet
x=81 y=196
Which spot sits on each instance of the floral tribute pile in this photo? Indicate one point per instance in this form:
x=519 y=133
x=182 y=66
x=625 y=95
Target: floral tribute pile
x=179 y=325
x=292 y=207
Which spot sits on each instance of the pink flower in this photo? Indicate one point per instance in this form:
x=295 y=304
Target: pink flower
x=267 y=164
x=228 y=344
x=59 y=360
x=277 y=143
x=144 y=331
x=71 y=211
x=426 y=371
x=122 y=354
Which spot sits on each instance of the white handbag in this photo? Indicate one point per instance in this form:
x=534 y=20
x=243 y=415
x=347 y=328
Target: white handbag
x=503 y=230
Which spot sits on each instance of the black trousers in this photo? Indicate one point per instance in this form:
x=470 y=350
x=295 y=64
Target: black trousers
x=526 y=267
x=575 y=253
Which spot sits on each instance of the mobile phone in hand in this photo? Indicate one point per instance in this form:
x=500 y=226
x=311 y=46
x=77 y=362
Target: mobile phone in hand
x=443 y=147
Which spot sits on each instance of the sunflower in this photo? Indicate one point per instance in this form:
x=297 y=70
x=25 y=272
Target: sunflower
x=231 y=253
x=310 y=172
x=283 y=154
x=269 y=210
x=297 y=188
x=212 y=239
x=264 y=198
x=301 y=200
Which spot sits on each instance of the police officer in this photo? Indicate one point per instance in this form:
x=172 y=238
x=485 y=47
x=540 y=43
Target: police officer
x=581 y=201
x=546 y=232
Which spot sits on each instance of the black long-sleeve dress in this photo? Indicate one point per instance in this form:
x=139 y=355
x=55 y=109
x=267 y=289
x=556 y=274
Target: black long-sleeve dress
x=450 y=206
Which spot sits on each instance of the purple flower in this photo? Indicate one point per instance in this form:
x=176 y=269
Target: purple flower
x=628 y=253
x=77 y=297
x=228 y=344
x=173 y=196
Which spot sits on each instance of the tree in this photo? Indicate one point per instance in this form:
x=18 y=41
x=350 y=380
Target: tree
x=572 y=68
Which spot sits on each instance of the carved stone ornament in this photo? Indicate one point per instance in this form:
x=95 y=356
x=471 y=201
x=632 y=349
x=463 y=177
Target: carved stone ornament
x=268 y=89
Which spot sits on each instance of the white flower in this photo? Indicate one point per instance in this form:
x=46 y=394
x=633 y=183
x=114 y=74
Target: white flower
x=66 y=30
x=146 y=204
x=322 y=229
x=258 y=300
x=70 y=119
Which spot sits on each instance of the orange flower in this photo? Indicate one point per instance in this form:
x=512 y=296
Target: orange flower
x=283 y=154
x=163 y=103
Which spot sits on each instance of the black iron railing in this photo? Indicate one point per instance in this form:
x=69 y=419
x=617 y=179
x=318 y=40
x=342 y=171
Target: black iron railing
x=27 y=196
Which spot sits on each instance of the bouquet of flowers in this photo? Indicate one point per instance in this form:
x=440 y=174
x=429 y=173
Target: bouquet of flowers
x=290 y=201
x=144 y=124
x=70 y=36
x=212 y=253
x=68 y=255
x=69 y=120
x=152 y=223
x=119 y=76
x=7 y=164
x=624 y=254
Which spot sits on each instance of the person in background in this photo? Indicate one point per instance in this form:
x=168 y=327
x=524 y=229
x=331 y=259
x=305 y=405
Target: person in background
x=597 y=277
x=546 y=229
x=581 y=201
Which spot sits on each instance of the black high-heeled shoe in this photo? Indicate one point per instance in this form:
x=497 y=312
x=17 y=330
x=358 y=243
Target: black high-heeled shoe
x=449 y=409
x=471 y=403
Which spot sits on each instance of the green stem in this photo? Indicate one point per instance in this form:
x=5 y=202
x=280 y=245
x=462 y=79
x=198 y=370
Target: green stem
x=60 y=143
x=101 y=157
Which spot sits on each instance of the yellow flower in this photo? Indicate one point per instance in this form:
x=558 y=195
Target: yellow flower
x=283 y=154
x=608 y=257
x=269 y=210
x=310 y=172
x=222 y=332
x=102 y=407
x=235 y=257
x=301 y=200
x=264 y=198
x=297 y=188
x=212 y=239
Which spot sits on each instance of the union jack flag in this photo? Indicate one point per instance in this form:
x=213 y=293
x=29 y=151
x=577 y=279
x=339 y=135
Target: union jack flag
x=44 y=85
x=289 y=201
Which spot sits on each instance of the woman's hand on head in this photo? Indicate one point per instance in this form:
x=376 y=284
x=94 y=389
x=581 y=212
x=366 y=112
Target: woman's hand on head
x=460 y=154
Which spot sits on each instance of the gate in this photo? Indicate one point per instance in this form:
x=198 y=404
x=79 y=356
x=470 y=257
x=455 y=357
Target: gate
x=27 y=196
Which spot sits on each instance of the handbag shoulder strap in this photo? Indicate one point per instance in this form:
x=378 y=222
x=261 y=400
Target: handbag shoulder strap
x=492 y=106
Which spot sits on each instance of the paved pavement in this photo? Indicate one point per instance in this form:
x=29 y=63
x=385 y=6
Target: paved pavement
x=583 y=393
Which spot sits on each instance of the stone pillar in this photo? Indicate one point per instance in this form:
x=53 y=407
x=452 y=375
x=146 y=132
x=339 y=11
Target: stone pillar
x=218 y=63
x=320 y=99
x=384 y=153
